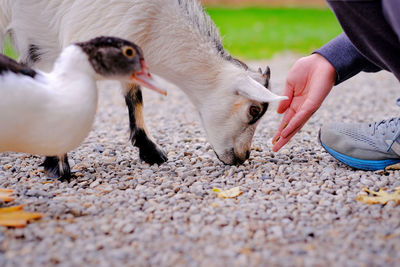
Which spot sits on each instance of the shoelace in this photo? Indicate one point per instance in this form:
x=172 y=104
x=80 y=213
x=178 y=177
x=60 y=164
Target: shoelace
x=393 y=124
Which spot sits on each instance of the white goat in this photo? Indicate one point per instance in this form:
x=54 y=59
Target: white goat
x=180 y=43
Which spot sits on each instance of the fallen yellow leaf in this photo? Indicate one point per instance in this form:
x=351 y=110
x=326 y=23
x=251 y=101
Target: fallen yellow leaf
x=5 y=195
x=381 y=197
x=11 y=209
x=6 y=190
x=393 y=167
x=231 y=193
x=16 y=217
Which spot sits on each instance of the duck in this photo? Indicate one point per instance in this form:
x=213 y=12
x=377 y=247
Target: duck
x=51 y=113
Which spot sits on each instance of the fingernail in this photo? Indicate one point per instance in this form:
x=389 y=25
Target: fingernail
x=277 y=139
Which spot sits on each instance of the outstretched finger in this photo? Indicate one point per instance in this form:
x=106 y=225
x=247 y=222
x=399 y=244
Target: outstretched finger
x=296 y=123
x=287 y=118
x=284 y=123
x=283 y=141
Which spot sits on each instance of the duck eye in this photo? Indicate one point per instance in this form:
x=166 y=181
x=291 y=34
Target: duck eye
x=254 y=111
x=129 y=52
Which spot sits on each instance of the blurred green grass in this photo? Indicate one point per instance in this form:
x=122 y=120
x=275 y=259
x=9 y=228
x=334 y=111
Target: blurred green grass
x=8 y=50
x=258 y=33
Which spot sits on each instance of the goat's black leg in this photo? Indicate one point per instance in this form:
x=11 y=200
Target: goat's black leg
x=57 y=167
x=148 y=150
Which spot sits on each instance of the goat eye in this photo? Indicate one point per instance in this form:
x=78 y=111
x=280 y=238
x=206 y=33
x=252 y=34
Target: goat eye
x=129 y=52
x=254 y=111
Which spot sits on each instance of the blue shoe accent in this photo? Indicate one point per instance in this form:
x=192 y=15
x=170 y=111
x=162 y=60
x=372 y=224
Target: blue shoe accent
x=367 y=165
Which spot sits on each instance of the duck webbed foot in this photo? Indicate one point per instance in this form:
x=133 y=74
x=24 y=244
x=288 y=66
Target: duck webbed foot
x=57 y=167
x=149 y=152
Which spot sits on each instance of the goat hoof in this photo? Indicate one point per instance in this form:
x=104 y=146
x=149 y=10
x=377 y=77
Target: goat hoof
x=57 y=168
x=153 y=156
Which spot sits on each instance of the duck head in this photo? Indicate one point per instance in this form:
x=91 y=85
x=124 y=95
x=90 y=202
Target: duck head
x=116 y=58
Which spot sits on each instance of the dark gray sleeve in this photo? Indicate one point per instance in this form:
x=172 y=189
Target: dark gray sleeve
x=345 y=58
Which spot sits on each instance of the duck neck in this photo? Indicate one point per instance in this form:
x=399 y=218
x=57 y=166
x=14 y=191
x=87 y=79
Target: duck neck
x=73 y=62
x=73 y=79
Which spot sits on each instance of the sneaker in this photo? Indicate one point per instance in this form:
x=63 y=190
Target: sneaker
x=365 y=146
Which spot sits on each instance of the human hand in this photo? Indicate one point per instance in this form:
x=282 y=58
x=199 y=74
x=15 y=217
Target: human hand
x=308 y=83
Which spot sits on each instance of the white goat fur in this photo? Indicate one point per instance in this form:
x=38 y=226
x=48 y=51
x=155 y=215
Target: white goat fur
x=180 y=43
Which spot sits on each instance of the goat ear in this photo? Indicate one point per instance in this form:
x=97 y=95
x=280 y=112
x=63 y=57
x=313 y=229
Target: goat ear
x=255 y=91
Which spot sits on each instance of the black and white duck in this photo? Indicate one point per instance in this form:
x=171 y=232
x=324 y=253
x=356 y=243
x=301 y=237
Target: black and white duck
x=51 y=113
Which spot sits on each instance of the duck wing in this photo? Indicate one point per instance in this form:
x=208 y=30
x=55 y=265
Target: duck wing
x=8 y=64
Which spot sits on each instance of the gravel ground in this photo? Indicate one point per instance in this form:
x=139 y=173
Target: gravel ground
x=298 y=206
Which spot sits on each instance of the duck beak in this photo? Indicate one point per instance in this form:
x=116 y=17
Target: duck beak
x=145 y=79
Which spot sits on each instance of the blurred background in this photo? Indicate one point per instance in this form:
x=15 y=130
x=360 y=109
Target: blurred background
x=310 y=3
x=261 y=29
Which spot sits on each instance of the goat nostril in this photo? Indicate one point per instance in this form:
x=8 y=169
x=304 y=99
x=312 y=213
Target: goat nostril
x=247 y=154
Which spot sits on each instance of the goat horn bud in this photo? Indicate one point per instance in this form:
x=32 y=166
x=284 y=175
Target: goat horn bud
x=267 y=76
x=267 y=72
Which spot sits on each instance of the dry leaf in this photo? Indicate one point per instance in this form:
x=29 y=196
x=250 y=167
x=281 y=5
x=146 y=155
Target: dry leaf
x=393 y=167
x=381 y=197
x=231 y=193
x=5 y=195
x=16 y=217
